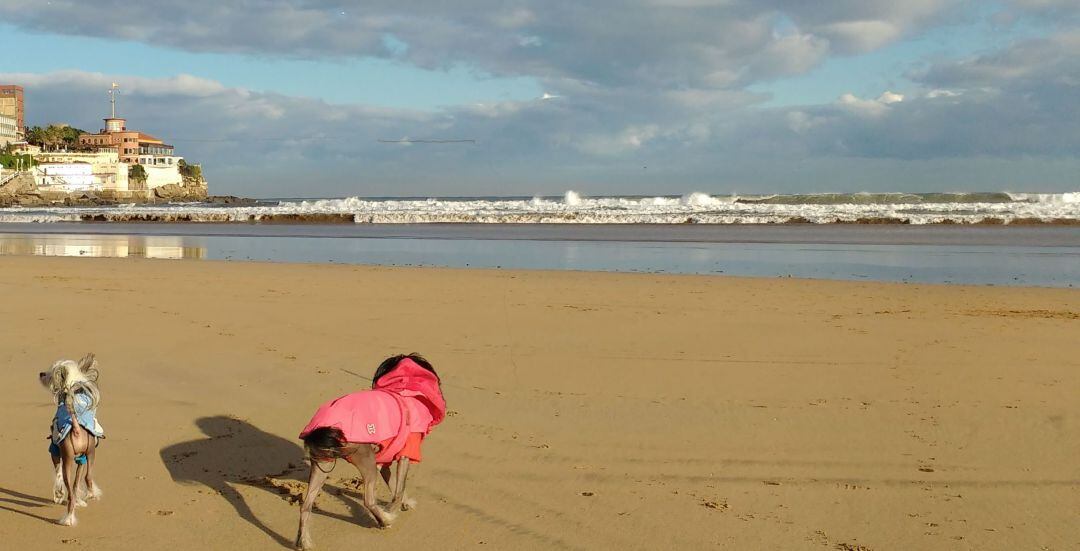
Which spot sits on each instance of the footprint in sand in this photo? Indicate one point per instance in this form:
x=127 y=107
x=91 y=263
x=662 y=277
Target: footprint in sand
x=718 y=505
x=852 y=547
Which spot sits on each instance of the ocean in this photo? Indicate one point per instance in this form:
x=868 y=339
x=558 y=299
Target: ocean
x=572 y=208
x=964 y=238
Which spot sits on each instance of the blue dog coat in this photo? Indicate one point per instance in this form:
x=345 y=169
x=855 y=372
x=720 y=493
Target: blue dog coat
x=61 y=425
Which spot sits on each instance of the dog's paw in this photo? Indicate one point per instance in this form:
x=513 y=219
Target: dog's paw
x=386 y=519
x=408 y=504
x=95 y=492
x=80 y=502
x=68 y=520
x=304 y=543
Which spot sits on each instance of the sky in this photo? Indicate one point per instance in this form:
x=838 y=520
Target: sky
x=302 y=98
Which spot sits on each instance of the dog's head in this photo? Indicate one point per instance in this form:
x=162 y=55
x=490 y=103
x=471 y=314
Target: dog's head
x=66 y=376
x=391 y=363
x=325 y=444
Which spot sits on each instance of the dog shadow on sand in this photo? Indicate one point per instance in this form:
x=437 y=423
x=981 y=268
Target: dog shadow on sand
x=25 y=501
x=236 y=453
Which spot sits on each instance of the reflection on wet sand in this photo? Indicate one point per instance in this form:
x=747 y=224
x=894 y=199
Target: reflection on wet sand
x=112 y=246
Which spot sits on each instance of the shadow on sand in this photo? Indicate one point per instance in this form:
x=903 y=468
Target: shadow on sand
x=25 y=501
x=235 y=452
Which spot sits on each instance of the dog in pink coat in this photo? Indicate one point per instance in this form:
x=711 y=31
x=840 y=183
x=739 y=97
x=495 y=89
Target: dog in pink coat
x=373 y=429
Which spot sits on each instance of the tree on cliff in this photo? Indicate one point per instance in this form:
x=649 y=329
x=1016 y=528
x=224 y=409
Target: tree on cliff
x=35 y=135
x=190 y=173
x=70 y=136
x=53 y=136
x=137 y=174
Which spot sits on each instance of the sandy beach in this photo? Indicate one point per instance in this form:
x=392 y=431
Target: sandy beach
x=588 y=410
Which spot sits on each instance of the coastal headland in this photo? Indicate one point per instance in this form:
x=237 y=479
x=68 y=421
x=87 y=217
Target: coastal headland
x=23 y=191
x=588 y=410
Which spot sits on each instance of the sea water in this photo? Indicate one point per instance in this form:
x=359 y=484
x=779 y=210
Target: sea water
x=994 y=255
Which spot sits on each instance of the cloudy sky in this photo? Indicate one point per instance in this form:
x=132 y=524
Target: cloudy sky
x=292 y=97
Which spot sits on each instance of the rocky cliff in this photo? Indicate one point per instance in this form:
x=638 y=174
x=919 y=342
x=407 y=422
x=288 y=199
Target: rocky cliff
x=23 y=191
x=174 y=193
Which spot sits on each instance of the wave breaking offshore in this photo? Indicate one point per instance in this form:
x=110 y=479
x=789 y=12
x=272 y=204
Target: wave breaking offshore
x=574 y=208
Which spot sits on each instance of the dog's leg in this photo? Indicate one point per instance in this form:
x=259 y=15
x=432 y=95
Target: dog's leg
x=405 y=502
x=92 y=489
x=316 y=479
x=384 y=470
x=59 y=490
x=67 y=456
x=399 y=501
x=80 y=486
x=364 y=461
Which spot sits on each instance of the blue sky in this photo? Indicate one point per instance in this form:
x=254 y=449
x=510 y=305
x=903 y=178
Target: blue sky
x=279 y=97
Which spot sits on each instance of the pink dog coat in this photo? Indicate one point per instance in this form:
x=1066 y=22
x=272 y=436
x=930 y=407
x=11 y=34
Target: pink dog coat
x=405 y=400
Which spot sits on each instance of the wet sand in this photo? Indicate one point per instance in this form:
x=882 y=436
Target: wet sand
x=589 y=410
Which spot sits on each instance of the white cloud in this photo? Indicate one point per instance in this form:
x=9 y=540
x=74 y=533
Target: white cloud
x=629 y=139
x=791 y=54
x=941 y=93
x=658 y=79
x=888 y=97
x=862 y=36
x=869 y=107
x=647 y=44
x=801 y=122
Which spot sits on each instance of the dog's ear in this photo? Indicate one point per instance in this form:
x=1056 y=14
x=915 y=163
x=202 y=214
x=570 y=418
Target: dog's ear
x=88 y=366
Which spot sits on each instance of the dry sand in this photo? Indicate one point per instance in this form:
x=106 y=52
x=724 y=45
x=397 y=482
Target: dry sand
x=589 y=411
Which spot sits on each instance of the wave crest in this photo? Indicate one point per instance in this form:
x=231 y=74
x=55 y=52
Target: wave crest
x=696 y=207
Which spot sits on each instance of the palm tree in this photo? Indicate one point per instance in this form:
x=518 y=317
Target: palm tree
x=54 y=136
x=36 y=135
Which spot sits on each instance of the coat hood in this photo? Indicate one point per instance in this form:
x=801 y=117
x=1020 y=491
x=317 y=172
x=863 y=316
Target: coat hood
x=408 y=379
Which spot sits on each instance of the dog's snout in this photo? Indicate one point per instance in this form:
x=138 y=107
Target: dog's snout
x=41 y=374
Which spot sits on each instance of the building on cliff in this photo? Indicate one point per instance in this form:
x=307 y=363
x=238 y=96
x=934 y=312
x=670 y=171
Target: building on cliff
x=81 y=171
x=66 y=177
x=13 y=106
x=9 y=132
x=131 y=147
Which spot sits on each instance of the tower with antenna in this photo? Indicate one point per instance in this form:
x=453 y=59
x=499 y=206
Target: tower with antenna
x=114 y=124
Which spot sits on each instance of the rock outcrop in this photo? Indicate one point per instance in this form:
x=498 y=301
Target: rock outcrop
x=23 y=191
x=20 y=190
x=176 y=193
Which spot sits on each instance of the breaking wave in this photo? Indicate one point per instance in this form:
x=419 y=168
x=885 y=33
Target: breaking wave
x=694 y=208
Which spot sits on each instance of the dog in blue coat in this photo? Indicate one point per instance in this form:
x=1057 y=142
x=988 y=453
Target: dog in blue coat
x=75 y=432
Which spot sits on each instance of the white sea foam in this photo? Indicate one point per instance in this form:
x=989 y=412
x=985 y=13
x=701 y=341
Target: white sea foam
x=1053 y=198
x=695 y=207
x=698 y=199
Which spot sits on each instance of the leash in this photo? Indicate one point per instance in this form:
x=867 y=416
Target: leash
x=318 y=465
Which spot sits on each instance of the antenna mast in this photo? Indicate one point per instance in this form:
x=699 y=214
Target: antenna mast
x=112 y=97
